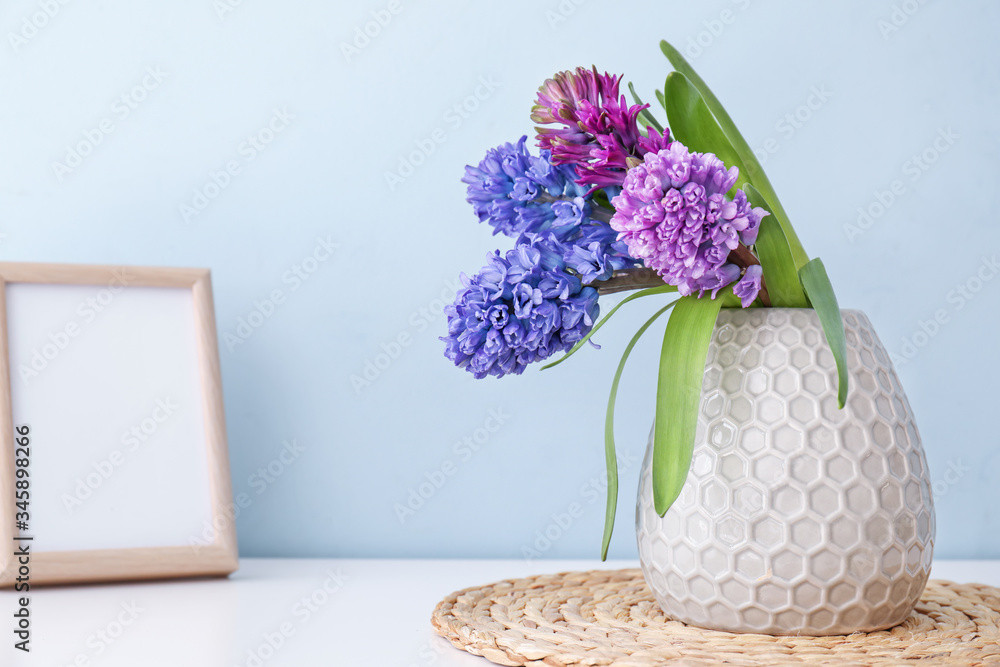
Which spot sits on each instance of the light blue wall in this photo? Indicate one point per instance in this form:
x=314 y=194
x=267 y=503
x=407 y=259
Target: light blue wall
x=889 y=93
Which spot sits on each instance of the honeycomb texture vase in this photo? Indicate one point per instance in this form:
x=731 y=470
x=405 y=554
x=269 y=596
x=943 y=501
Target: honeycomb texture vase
x=796 y=517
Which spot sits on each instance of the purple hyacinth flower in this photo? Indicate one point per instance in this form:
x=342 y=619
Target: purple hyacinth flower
x=749 y=285
x=674 y=215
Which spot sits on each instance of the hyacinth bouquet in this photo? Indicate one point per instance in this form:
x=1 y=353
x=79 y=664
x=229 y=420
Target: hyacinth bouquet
x=612 y=201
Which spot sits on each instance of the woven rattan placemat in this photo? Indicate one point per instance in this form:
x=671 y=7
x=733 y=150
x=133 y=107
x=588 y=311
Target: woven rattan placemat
x=610 y=618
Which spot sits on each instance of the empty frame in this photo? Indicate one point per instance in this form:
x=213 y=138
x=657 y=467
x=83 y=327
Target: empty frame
x=113 y=455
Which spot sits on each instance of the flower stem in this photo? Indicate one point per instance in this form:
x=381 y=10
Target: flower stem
x=742 y=257
x=600 y=213
x=624 y=280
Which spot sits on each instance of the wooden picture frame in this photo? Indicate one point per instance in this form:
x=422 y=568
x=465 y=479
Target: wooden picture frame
x=211 y=548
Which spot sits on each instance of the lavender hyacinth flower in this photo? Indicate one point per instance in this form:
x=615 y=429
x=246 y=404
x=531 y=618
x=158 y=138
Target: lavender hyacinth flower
x=749 y=285
x=597 y=253
x=526 y=196
x=674 y=215
x=520 y=308
x=515 y=191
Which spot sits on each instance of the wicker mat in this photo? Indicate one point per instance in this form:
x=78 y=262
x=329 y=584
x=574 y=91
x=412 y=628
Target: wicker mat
x=610 y=618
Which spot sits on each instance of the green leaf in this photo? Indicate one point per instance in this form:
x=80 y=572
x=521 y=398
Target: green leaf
x=678 y=393
x=600 y=199
x=645 y=112
x=646 y=292
x=775 y=256
x=659 y=98
x=755 y=172
x=817 y=286
x=692 y=123
x=609 y=434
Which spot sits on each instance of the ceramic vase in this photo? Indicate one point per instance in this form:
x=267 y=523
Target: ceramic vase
x=796 y=517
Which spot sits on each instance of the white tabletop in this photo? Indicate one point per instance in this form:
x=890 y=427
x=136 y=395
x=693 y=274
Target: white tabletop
x=315 y=612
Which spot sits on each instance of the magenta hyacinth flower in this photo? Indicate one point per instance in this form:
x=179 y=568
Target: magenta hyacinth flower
x=674 y=216
x=599 y=129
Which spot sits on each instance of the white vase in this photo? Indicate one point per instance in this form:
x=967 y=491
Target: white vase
x=796 y=517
